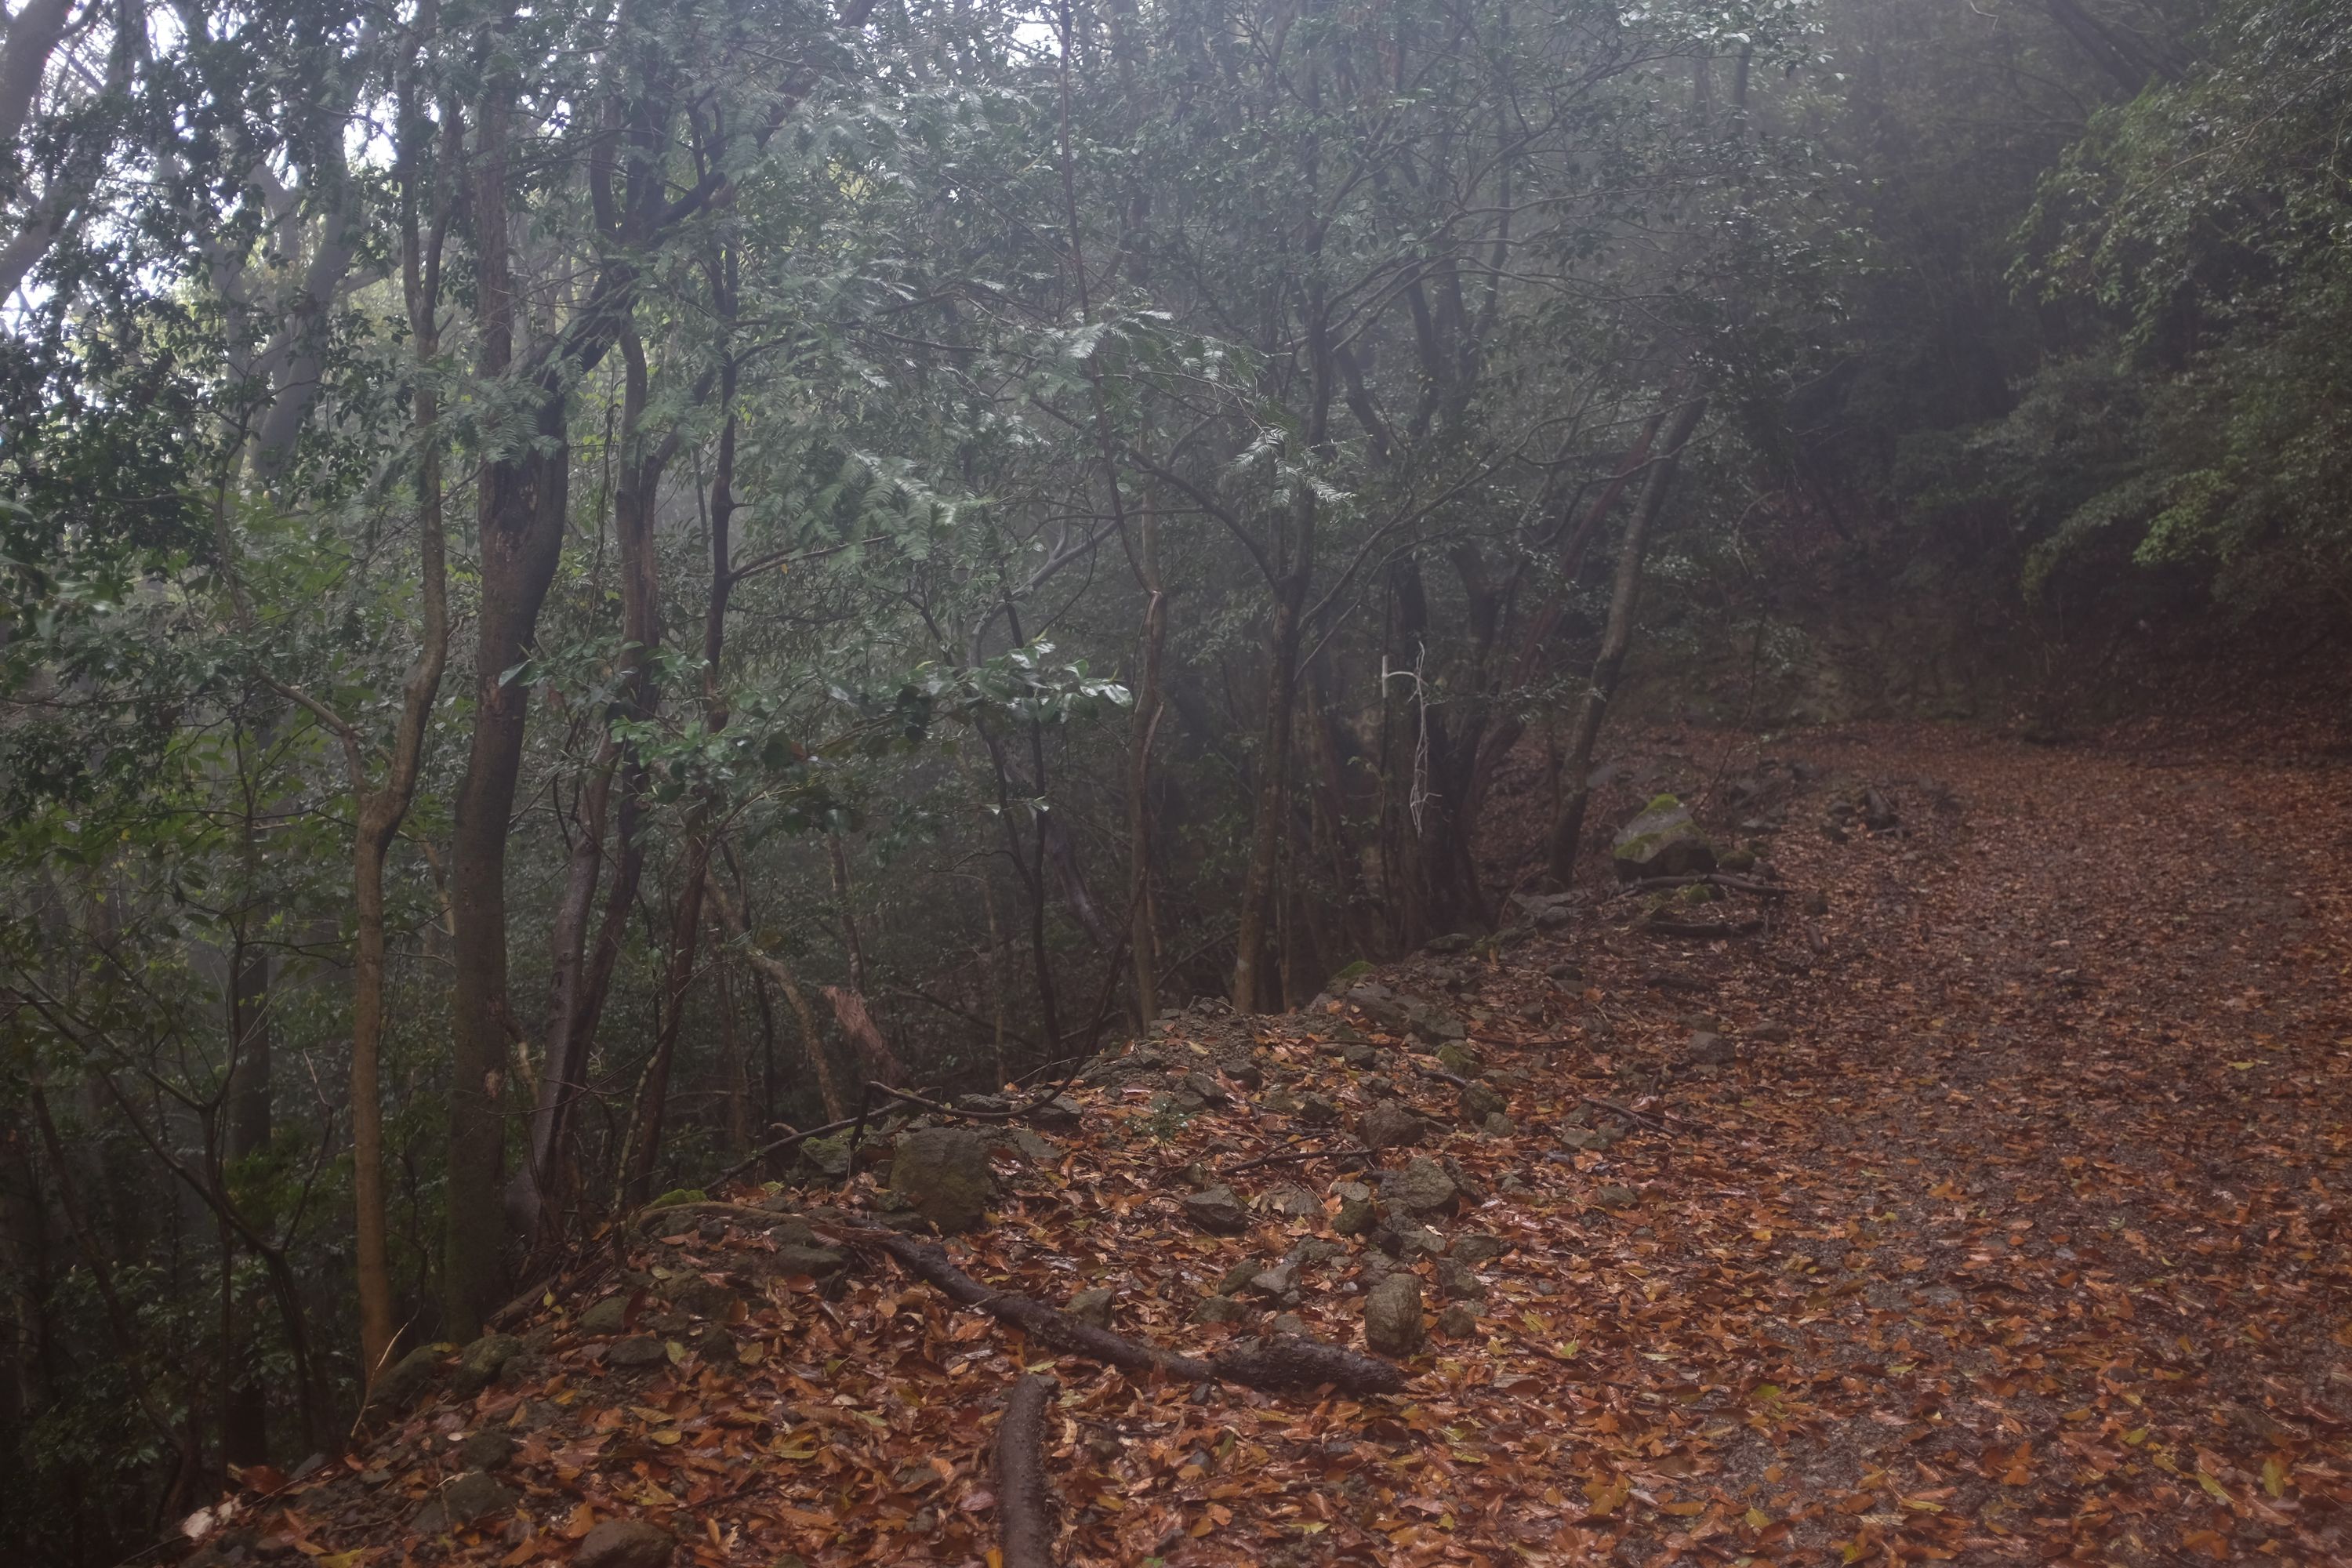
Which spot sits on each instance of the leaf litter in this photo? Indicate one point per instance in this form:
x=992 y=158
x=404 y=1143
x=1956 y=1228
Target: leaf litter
x=2011 y=1226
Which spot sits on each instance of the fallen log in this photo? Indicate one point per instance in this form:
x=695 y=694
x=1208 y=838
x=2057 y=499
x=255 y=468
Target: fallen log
x=1702 y=931
x=1738 y=884
x=1024 y=1509
x=1284 y=1361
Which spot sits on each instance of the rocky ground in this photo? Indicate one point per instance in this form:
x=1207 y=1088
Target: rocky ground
x=1995 y=1210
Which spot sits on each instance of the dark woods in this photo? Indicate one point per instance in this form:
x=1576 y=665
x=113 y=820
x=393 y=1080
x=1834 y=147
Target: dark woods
x=584 y=584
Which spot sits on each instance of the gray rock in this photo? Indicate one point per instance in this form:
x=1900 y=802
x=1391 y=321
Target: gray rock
x=1315 y=1110
x=1417 y=1241
x=700 y=1297
x=941 y=1172
x=1211 y=1091
x=1217 y=1211
x=1616 y=1197
x=1236 y=1278
x=1294 y=1202
x=1357 y=1216
x=470 y=1497
x=1035 y=1147
x=1290 y=1323
x=479 y=1363
x=409 y=1376
x=1499 y=1126
x=1452 y=941
x=1389 y=1125
x=1393 y=1324
x=1220 y=1309
x=1481 y=1100
x=826 y=1157
x=1244 y=1071
x=1774 y=1034
x=1597 y=1139
x=1457 y=1321
x=487 y=1450
x=1456 y=1280
x=1091 y=1307
x=816 y=1262
x=1178 y=1101
x=1707 y=1050
x=1478 y=1248
x=1060 y=1112
x=1663 y=841
x=1310 y=1251
x=637 y=1351
x=1278 y=1282
x=626 y=1544
x=1421 y=1187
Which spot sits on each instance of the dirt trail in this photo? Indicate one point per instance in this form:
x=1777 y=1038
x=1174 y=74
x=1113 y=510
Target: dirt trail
x=2075 y=1117
x=2015 y=1229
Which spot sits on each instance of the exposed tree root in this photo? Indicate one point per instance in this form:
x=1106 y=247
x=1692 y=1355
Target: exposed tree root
x=1284 y=1361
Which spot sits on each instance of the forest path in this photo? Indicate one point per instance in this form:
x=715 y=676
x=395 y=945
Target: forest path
x=2011 y=1226
x=2075 y=1115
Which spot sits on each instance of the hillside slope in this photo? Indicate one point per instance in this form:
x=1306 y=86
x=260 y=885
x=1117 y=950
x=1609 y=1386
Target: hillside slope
x=1995 y=1212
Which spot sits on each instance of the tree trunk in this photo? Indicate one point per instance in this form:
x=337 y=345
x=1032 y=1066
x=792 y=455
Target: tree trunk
x=1568 y=827
x=521 y=517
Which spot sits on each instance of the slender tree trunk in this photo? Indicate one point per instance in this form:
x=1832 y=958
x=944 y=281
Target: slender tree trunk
x=1144 y=935
x=244 y=1406
x=1568 y=827
x=1253 y=988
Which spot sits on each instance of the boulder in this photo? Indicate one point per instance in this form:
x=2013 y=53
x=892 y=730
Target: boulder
x=941 y=1172
x=625 y=1544
x=1393 y=1324
x=1663 y=841
x=1217 y=1211
x=1421 y=1187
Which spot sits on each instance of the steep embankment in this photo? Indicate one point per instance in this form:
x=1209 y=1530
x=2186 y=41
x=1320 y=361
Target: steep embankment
x=1997 y=1213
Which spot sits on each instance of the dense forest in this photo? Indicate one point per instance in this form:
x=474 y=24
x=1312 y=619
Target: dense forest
x=592 y=594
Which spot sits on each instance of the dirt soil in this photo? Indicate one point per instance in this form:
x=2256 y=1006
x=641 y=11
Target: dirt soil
x=2006 y=1217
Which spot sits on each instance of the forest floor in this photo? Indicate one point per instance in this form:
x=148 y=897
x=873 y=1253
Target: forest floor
x=2006 y=1217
